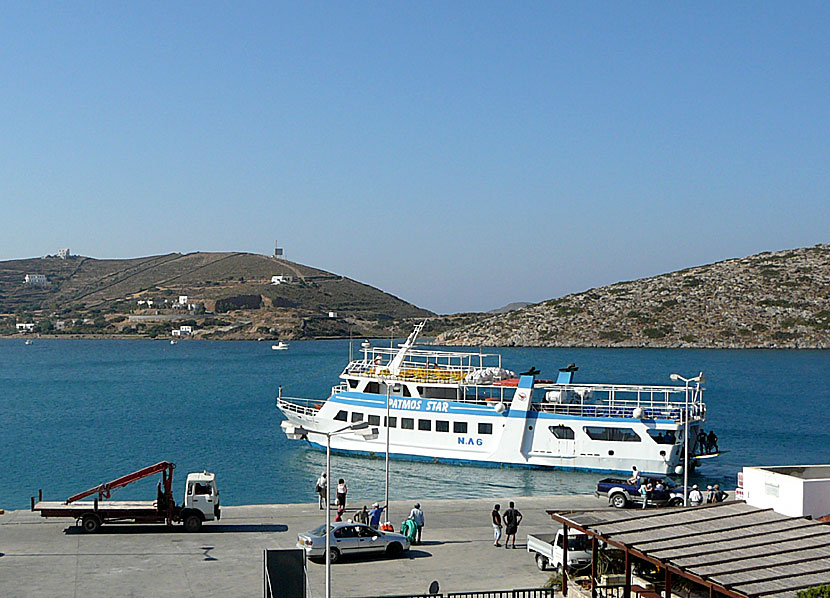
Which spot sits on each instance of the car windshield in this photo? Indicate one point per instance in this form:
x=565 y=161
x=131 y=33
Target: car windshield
x=579 y=542
x=319 y=531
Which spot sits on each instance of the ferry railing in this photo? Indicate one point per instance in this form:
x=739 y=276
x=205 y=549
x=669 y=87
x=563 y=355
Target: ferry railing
x=298 y=405
x=624 y=409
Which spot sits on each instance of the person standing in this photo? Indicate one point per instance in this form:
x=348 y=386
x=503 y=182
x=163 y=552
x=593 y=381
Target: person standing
x=635 y=477
x=417 y=515
x=695 y=497
x=322 y=490
x=710 y=495
x=512 y=518
x=496 y=525
x=362 y=516
x=375 y=515
x=342 y=490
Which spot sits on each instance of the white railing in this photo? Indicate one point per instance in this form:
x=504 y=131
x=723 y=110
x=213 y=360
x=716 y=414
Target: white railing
x=300 y=406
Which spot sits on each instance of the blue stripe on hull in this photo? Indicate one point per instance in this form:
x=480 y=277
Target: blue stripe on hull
x=491 y=464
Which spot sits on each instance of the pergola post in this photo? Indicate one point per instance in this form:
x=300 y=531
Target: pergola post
x=594 y=558
x=667 y=593
x=564 y=559
x=627 y=586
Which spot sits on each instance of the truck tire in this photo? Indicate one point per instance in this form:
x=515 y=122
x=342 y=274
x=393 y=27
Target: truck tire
x=676 y=502
x=192 y=523
x=90 y=523
x=618 y=500
x=541 y=562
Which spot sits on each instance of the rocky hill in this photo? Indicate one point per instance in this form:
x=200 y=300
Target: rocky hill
x=228 y=295
x=778 y=299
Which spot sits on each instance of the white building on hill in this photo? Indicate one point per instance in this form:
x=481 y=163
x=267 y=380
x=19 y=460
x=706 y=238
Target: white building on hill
x=37 y=280
x=63 y=253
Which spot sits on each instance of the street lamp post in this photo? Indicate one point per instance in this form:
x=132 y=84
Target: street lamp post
x=389 y=389
x=699 y=379
x=298 y=432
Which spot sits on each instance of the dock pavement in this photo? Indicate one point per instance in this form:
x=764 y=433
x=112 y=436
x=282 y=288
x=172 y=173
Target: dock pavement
x=54 y=558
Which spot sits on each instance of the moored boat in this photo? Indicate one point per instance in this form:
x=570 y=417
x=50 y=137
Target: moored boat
x=456 y=406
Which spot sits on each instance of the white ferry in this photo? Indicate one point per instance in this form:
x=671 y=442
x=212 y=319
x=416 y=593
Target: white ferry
x=453 y=406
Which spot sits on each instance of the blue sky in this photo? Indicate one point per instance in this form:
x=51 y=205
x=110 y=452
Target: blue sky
x=458 y=155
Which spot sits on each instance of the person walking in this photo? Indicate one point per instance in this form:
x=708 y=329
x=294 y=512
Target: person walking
x=417 y=515
x=512 y=518
x=322 y=490
x=645 y=490
x=375 y=515
x=342 y=490
x=496 y=525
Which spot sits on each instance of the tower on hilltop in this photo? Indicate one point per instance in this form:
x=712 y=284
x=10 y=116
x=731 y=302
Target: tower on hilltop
x=277 y=251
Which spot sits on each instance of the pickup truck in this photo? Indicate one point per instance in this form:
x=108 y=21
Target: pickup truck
x=622 y=493
x=549 y=548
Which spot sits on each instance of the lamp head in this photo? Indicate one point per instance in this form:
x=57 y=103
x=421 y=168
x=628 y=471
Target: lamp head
x=370 y=434
x=676 y=377
x=293 y=431
x=359 y=426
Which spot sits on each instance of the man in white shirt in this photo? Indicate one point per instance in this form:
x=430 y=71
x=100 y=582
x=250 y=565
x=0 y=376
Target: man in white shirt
x=695 y=497
x=417 y=515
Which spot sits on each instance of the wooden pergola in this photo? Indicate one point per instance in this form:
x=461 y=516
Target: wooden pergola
x=731 y=548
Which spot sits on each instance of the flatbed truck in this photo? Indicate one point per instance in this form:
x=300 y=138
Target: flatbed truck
x=200 y=504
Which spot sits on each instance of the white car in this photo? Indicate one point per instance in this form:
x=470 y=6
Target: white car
x=351 y=538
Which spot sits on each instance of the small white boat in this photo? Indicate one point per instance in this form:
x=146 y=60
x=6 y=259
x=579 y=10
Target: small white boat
x=29 y=341
x=281 y=346
x=173 y=341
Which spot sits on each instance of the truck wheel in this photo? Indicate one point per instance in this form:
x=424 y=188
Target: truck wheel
x=192 y=523
x=541 y=562
x=618 y=500
x=90 y=523
x=676 y=502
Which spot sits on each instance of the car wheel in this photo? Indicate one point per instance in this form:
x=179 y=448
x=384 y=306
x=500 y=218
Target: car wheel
x=394 y=549
x=334 y=555
x=675 y=502
x=90 y=523
x=618 y=501
x=192 y=523
x=541 y=562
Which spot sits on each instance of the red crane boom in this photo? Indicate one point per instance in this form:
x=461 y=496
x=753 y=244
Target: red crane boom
x=104 y=490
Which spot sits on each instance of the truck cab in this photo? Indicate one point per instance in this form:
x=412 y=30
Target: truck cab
x=201 y=500
x=549 y=549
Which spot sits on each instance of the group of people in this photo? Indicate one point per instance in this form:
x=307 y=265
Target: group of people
x=368 y=517
x=713 y=494
x=510 y=519
x=707 y=444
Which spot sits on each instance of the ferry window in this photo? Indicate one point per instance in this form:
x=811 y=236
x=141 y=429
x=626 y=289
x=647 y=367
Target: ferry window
x=459 y=427
x=442 y=426
x=357 y=416
x=353 y=383
x=662 y=436
x=562 y=432
x=373 y=388
x=612 y=434
x=341 y=416
x=406 y=392
x=407 y=423
x=485 y=428
x=393 y=421
x=374 y=420
x=425 y=425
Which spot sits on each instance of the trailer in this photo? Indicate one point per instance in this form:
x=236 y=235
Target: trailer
x=200 y=504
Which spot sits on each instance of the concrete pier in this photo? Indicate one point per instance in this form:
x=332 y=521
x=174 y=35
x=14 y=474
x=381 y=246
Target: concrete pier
x=54 y=558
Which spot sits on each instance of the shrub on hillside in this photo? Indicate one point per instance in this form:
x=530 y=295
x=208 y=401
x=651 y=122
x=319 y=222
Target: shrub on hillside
x=238 y=302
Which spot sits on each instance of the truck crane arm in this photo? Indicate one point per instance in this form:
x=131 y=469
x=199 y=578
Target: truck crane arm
x=104 y=490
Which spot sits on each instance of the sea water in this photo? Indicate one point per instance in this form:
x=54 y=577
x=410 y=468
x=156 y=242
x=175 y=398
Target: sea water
x=76 y=413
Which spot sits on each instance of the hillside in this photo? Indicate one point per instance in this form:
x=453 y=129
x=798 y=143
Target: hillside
x=779 y=299
x=231 y=292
